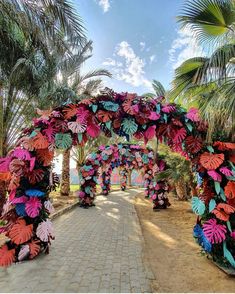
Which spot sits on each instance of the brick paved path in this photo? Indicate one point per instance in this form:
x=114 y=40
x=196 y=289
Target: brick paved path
x=96 y=250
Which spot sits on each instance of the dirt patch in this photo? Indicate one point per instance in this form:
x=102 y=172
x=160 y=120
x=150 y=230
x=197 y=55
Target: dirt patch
x=174 y=257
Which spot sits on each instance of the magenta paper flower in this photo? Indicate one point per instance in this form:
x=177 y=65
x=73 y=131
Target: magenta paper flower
x=215 y=176
x=154 y=116
x=168 y=108
x=81 y=194
x=33 y=207
x=214 y=232
x=233 y=234
x=226 y=171
x=193 y=114
x=150 y=132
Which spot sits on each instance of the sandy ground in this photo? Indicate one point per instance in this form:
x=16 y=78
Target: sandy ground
x=174 y=257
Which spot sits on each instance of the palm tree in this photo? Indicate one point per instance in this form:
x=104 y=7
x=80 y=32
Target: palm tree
x=30 y=35
x=209 y=82
x=159 y=90
x=178 y=173
x=69 y=86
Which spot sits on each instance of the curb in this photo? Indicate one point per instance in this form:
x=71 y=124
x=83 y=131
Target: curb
x=63 y=210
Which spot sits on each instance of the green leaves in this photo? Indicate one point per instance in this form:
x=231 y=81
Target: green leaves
x=198 y=206
x=209 y=19
x=63 y=141
x=129 y=126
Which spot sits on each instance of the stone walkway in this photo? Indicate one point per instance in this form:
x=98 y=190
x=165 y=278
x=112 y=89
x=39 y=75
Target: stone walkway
x=95 y=250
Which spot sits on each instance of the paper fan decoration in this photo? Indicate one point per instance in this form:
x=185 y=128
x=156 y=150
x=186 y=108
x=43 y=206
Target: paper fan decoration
x=33 y=207
x=198 y=206
x=34 y=248
x=215 y=176
x=34 y=193
x=104 y=116
x=223 y=211
x=40 y=141
x=21 y=199
x=168 y=108
x=70 y=110
x=214 y=232
x=93 y=130
x=63 y=141
x=35 y=176
x=21 y=154
x=180 y=135
x=20 y=232
x=4 y=164
x=6 y=256
x=17 y=167
x=45 y=231
x=226 y=171
x=45 y=156
x=20 y=209
x=77 y=127
x=129 y=126
x=229 y=190
x=49 y=206
x=193 y=144
x=150 y=132
x=211 y=161
x=24 y=252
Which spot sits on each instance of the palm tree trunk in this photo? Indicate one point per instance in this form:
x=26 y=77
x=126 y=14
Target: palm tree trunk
x=129 y=178
x=181 y=190
x=65 y=177
x=3 y=188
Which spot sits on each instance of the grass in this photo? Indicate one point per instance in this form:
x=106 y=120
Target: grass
x=77 y=187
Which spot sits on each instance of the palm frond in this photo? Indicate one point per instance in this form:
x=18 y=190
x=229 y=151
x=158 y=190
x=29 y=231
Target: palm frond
x=158 y=88
x=210 y=20
x=191 y=72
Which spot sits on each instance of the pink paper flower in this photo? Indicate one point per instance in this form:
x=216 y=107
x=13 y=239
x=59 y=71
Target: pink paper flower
x=154 y=116
x=193 y=114
x=233 y=234
x=81 y=194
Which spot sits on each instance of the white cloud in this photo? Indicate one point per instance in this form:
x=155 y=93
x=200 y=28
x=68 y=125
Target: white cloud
x=152 y=58
x=142 y=46
x=112 y=62
x=131 y=69
x=183 y=48
x=105 y=4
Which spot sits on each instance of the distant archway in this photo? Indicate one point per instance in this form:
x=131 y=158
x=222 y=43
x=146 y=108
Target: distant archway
x=126 y=156
x=29 y=178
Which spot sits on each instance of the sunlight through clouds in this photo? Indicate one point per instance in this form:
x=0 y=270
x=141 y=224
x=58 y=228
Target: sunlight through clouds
x=183 y=47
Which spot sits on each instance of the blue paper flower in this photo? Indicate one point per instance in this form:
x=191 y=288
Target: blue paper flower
x=20 y=209
x=34 y=193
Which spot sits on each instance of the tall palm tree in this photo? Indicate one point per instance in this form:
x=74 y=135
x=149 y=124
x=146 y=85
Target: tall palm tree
x=209 y=82
x=69 y=86
x=31 y=34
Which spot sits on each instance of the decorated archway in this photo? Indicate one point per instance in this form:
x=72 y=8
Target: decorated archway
x=127 y=157
x=27 y=168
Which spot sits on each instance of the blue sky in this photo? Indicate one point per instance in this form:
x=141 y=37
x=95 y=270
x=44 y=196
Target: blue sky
x=137 y=40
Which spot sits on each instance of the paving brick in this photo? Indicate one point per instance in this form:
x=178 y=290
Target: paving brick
x=95 y=250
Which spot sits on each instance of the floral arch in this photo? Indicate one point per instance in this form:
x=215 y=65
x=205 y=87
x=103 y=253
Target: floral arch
x=127 y=157
x=29 y=177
